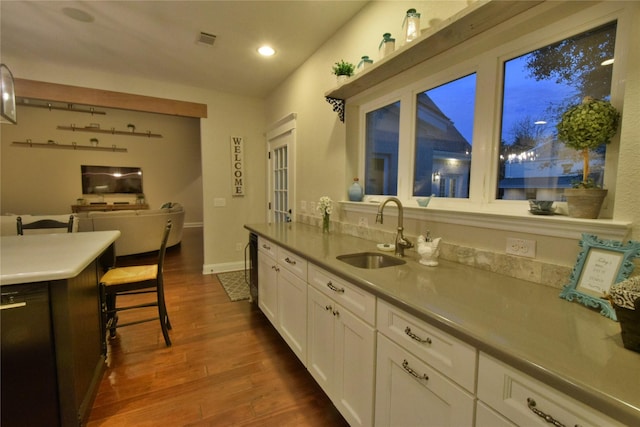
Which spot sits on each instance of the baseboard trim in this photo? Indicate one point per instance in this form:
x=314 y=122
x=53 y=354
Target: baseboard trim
x=223 y=267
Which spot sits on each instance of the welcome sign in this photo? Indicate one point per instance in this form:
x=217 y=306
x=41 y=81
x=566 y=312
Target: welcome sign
x=237 y=166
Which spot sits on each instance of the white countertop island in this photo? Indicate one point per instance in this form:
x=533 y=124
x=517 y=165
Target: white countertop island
x=43 y=257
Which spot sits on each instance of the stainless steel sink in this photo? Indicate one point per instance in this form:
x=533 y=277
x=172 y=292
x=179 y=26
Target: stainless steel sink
x=370 y=260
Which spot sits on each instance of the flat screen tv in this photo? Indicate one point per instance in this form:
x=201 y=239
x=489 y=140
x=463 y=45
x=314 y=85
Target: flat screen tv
x=111 y=180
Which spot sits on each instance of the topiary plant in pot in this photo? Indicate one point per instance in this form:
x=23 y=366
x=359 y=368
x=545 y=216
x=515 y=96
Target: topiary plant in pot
x=584 y=127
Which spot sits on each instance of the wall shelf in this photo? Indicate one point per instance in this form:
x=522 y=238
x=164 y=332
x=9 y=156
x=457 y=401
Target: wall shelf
x=111 y=131
x=473 y=20
x=50 y=106
x=55 y=145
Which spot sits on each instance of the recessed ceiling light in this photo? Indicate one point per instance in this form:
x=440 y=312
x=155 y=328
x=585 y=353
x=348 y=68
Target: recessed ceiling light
x=540 y=122
x=77 y=14
x=607 y=62
x=266 y=51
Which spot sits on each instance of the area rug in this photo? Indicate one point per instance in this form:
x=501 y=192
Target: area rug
x=234 y=285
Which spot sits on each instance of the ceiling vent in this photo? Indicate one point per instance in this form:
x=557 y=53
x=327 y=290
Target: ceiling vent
x=206 y=38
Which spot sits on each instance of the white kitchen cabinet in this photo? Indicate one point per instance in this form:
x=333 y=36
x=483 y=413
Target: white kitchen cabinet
x=292 y=312
x=267 y=284
x=410 y=393
x=526 y=401
x=452 y=357
x=282 y=294
x=341 y=356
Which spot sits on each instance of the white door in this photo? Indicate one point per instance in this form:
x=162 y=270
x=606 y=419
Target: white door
x=281 y=166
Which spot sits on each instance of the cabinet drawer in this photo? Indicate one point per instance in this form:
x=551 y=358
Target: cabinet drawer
x=351 y=297
x=293 y=263
x=513 y=393
x=451 y=356
x=268 y=248
x=412 y=393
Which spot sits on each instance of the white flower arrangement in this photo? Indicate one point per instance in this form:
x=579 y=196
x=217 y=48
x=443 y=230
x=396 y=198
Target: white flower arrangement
x=324 y=206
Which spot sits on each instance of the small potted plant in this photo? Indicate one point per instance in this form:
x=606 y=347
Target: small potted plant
x=343 y=70
x=584 y=127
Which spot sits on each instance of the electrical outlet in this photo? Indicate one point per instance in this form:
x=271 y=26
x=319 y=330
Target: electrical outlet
x=521 y=247
x=303 y=206
x=363 y=221
x=312 y=207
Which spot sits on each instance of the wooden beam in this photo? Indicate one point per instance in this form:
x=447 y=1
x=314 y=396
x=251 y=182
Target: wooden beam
x=33 y=89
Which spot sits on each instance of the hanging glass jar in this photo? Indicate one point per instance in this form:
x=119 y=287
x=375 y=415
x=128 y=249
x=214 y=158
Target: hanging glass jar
x=387 y=45
x=411 y=26
x=364 y=63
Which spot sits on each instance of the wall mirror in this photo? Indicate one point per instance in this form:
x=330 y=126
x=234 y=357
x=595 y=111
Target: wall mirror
x=8 y=106
x=600 y=264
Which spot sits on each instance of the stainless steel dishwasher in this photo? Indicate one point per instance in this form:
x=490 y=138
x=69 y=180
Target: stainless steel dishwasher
x=29 y=381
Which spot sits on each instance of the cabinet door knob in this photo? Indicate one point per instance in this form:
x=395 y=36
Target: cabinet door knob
x=290 y=261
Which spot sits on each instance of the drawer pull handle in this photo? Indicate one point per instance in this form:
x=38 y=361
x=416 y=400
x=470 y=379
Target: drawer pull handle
x=407 y=331
x=267 y=247
x=548 y=418
x=334 y=289
x=275 y=267
x=328 y=308
x=292 y=262
x=336 y=313
x=406 y=367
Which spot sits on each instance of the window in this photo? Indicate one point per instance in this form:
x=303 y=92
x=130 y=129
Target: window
x=381 y=150
x=476 y=124
x=444 y=127
x=538 y=87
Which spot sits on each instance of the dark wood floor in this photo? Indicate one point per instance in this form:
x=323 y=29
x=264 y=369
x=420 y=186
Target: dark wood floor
x=227 y=366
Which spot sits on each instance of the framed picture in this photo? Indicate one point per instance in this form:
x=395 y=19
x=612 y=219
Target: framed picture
x=8 y=106
x=600 y=264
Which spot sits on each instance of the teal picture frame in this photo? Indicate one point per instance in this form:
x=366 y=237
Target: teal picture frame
x=600 y=264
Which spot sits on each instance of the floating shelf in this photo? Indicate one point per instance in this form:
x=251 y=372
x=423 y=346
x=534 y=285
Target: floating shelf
x=31 y=144
x=70 y=107
x=471 y=21
x=111 y=131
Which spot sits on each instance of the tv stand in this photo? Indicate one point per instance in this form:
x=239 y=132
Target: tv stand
x=104 y=207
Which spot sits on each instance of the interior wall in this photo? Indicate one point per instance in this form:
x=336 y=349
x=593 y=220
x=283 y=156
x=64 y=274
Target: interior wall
x=47 y=180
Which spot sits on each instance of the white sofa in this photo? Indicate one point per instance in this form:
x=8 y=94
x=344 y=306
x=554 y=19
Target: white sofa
x=141 y=230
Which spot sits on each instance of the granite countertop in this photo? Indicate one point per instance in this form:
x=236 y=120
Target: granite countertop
x=527 y=325
x=43 y=257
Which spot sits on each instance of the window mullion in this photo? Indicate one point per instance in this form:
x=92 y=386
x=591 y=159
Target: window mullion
x=405 y=150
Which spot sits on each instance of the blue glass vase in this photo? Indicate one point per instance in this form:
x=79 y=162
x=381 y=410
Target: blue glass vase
x=356 y=193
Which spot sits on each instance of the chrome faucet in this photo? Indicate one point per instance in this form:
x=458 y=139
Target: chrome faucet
x=401 y=242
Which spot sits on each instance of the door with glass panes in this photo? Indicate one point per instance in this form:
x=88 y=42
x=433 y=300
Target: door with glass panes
x=281 y=176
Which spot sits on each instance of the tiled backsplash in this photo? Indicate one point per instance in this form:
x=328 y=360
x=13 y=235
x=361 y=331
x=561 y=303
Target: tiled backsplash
x=509 y=265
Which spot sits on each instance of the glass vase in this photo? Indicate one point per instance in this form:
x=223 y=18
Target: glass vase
x=325 y=223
